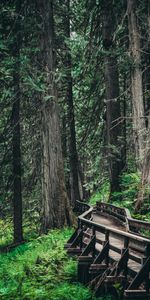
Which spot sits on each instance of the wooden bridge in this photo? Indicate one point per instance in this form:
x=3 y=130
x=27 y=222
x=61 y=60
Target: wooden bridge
x=112 y=251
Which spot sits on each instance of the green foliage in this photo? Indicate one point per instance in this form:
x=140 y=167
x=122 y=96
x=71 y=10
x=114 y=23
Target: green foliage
x=143 y=217
x=30 y=228
x=71 y=292
x=118 y=289
x=6 y=232
x=101 y=195
x=130 y=183
x=129 y=188
x=41 y=270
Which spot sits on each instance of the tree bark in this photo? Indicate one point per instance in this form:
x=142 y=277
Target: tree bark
x=55 y=204
x=144 y=189
x=145 y=181
x=139 y=127
x=146 y=79
x=113 y=111
x=16 y=139
x=73 y=155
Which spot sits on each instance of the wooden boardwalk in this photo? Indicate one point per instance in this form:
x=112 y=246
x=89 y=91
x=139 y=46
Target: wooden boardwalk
x=111 y=248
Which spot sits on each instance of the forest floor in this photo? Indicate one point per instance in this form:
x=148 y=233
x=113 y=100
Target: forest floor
x=41 y=270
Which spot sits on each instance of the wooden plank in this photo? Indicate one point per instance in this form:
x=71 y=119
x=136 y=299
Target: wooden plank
x=135 y=258
x=78 y=238
x=108 y=225
x=97 y=266
x=135 y=292
x=114 y=279
x=74 y=251
x=90 y=247
x=139 y=224
x=99 y=227
x=142 y=274
x=72 y=237
x=102 y=255
x=116 y=249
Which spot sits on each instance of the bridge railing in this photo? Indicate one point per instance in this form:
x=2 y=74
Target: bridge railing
x=106 y=234
x=123 y=215
x=107 y=253
x=82 y=207
x=139 y=227
x=120 y=214
x=117 y=212
x=104 y=250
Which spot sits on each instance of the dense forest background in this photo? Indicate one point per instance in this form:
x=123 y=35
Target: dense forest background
x=75 y=112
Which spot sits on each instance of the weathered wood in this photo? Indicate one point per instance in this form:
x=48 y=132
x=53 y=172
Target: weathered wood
x=141 y=276
x=74 y=251
x=90 y=247
x=119 y=233
x=96 y=270
x=82 y=207
x=135 y=258
x=84 y=263
x=136 y=294
x=72 y=238
x=103 y=255
x=97 y=266
x=117 y=251
x=114 y=279
x=75 y=240
x=100 y=281
x=121 y=264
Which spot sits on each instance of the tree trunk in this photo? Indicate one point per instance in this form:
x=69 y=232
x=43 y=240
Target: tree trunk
x=73 y=156
x=146 y=79
x=145 y=182
x=139 y=127
x=113 y=111
x=55 y=204
x=16 y=140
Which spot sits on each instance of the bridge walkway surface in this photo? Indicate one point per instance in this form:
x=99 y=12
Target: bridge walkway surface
x=111 y=248
x=118 y=241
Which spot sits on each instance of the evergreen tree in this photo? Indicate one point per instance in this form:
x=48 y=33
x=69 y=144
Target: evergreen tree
x=55 y=204
x=17 y=190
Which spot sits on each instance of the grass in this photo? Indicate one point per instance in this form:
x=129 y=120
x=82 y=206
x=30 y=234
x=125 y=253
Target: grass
x=41 y=270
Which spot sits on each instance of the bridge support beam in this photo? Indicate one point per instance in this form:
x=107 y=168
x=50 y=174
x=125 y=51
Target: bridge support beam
x=136 y=295
x=84 y=263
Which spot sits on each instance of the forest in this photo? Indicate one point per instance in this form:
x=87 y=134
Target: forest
x=74 y=126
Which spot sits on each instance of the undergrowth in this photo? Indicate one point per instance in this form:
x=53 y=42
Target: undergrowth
x=30 y=231
x=102 y=194
x=126 y=197
x=41 y=270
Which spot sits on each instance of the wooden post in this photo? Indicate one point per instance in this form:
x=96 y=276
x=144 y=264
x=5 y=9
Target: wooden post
x=147 y=280
x=107 y=240
x=84 y=263
x=126 y=242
